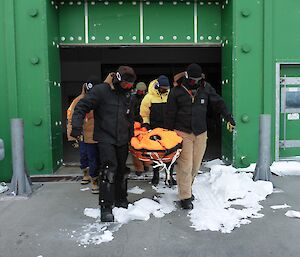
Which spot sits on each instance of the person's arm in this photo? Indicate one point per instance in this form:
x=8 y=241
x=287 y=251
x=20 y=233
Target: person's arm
x=170 y=110
x=84 y=106
x=145 y=109
x=219 y=106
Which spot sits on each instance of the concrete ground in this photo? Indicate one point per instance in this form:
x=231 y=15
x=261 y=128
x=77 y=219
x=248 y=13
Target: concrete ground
x=42 y=225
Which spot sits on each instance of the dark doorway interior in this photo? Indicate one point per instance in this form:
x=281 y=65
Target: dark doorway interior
x=78 y=63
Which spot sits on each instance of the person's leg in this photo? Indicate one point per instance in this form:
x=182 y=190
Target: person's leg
x=84 y=163
x=155 y=178
x=121 y=177
x=198 y=153
x=93 y=156
x=108 y=170
x=184 y=169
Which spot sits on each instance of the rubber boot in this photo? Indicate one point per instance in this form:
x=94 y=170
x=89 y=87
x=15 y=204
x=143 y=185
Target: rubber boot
x=187 y=204
x=122 y=203
x=155 y=178
x=106 y=214
x=86 y=177
x=95 y=186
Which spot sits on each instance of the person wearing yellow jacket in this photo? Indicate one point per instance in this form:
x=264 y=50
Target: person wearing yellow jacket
x=89 y=157
x=152 y=113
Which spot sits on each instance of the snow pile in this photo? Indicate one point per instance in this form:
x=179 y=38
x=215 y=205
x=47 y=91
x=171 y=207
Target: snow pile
x=216 y=193
x=136 y=190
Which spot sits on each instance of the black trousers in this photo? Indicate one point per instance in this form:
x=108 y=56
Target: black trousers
x=113 y=173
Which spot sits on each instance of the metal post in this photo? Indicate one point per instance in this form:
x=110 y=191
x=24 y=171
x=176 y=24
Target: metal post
x=262 y=169
x=20 y=182
x=2 y=152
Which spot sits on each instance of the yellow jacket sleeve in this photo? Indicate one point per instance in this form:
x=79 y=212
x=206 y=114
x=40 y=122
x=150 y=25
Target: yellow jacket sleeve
x=145 y=109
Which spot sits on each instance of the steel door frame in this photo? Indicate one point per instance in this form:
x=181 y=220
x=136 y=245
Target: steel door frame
x=278 y=111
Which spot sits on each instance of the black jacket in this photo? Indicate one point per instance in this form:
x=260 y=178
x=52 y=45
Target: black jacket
x=113 y=114
x=184 y=115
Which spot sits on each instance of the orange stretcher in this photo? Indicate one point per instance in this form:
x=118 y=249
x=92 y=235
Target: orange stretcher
x=158 y=146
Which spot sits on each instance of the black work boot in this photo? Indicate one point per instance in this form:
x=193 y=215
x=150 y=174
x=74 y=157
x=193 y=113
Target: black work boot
x=122 y=203
x=155 y=179
x=106 y=214
x=187 y=204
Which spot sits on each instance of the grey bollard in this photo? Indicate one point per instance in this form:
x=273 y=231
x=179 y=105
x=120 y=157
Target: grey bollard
x=20 y=183
x=262 y=169
x=2 y=151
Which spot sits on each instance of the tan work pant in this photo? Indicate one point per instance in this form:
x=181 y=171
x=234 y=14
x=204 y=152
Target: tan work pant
x=189 y=161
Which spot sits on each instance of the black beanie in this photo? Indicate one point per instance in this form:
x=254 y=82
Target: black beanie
x=194 y=70
x=163 y=81
x=127 y=73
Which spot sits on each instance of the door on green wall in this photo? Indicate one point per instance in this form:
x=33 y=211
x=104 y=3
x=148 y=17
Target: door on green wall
x=288 y=86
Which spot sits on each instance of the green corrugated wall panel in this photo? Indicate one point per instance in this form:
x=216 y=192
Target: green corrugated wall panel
x=122 y=16
x=121 y=22
x=165 y=22
x=32 y=81
x=227 y=78
x=71 y=21
x=209 y=21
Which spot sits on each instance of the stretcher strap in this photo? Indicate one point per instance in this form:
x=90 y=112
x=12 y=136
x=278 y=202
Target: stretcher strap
x=159 y=163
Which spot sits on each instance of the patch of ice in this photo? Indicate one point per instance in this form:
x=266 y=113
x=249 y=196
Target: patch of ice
x=283 y=206
x=293 y=214
x=136 y=190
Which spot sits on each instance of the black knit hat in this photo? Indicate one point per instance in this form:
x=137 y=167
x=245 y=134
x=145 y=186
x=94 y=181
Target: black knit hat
x=194 y=70
x=125 y=73
x=163 y=81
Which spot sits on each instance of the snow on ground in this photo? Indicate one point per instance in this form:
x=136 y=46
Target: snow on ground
x=224 y=199
x=136 y=190
x=293 y=214
x=283 y=206
x=282 y=168
x=286 y=168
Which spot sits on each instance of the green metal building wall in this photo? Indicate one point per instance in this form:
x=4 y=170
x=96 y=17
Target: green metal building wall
x=254 y=35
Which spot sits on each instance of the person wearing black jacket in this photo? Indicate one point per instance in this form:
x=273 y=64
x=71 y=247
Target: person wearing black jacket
x=113 y=128
x=186 y=114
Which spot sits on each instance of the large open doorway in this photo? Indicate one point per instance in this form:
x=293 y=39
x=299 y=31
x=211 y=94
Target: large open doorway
x=78 y=63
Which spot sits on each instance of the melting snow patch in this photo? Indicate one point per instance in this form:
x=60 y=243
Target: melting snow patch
x=293 y=214
x=136 y=190
x=283 y=206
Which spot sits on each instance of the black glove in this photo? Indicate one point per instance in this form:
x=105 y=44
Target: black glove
x=146 y=125
x=76 y=132
x=230 y=123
